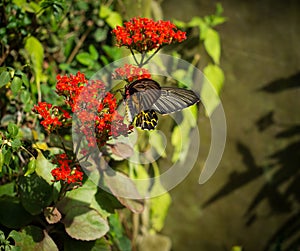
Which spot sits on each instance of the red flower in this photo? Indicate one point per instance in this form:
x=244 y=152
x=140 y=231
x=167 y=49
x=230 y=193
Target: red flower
x=144 y=34
x=70 y=87
x=131 y=73
x=53 y=116
x=96 y=110
x=64 y=171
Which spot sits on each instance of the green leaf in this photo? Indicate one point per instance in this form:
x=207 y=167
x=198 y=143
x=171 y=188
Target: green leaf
x=159 y=209
x=16 y=85
x=218 y=20
x=36 y=51
x=85 y=59
x=180 y=136
x=112 y=182
x=93 y=52
x=25 y=97
x=31 y=166
x=34 y=238
x=16 y=144
x=12 y=213
x=215 y=76
x=159 y=205
x=15 y=235
x=25 y=80
x=212 y=45
x=211 y=88
x=100 y=34
x=4 y=78
x=35 y=193
x=1 y=160
x=83 y=223
x=98 y=245
x=13 y=130
x=114 y=52
x=157 y=141
x=117 y=233
x=195 y=22
x=104 y=11
x=112 y=18
x=78 y=197
x=44 y=168
x=31 y=7
x=7 y=156
x=8 y=189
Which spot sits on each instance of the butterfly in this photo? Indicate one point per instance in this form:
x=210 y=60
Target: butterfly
x=145 y=97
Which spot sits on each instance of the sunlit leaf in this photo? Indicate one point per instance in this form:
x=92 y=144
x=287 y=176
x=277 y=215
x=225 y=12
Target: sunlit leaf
x=112 y=182
x=31 y=7
x=212 y=86
x=4 y=78
x=212 y=45
x=159 y=209
x=78 y=197
x=34 y=238
x=30 y=166
x=13 y=130
x=93 y=52
x=157 y=141
x=112 y=18
x=195 y=22
x=83 y=223
x=85 y=59
x=16 y=85
x=36 y=52
x=44 y=167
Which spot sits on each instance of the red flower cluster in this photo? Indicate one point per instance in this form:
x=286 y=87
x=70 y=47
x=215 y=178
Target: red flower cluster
x=64 y=171
x=70 y=87
x=131 y=73
x=53 y=116
x=99 y=119
x=144 y=34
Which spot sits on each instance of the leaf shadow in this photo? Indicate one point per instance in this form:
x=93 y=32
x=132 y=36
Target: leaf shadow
x=281 y=188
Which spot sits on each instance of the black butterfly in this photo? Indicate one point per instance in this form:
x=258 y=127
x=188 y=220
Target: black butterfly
x=145 y=97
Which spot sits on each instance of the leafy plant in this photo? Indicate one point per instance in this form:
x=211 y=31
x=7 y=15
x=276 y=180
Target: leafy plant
x=46 y=201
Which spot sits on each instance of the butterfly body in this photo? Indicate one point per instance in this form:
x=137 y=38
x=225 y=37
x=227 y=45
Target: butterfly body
x=145 y=97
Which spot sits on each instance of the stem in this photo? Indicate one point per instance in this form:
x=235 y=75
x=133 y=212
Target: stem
x=134 y=56
x=62 y=142
x=152 y=55
x=143 y=57
x=78 y=45
x=22 y=147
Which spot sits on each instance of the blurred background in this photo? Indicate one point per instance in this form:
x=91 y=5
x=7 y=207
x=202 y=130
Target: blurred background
x=252 y=200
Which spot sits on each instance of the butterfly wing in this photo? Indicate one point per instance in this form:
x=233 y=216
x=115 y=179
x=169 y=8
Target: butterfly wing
x=146 y=120
x=174 y=99
x=140 y=96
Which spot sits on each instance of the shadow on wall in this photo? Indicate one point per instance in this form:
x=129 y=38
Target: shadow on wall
x=283 y=168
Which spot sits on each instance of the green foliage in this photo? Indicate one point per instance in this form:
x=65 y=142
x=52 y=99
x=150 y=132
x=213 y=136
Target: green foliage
x=40 y=39
x=214 y=76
